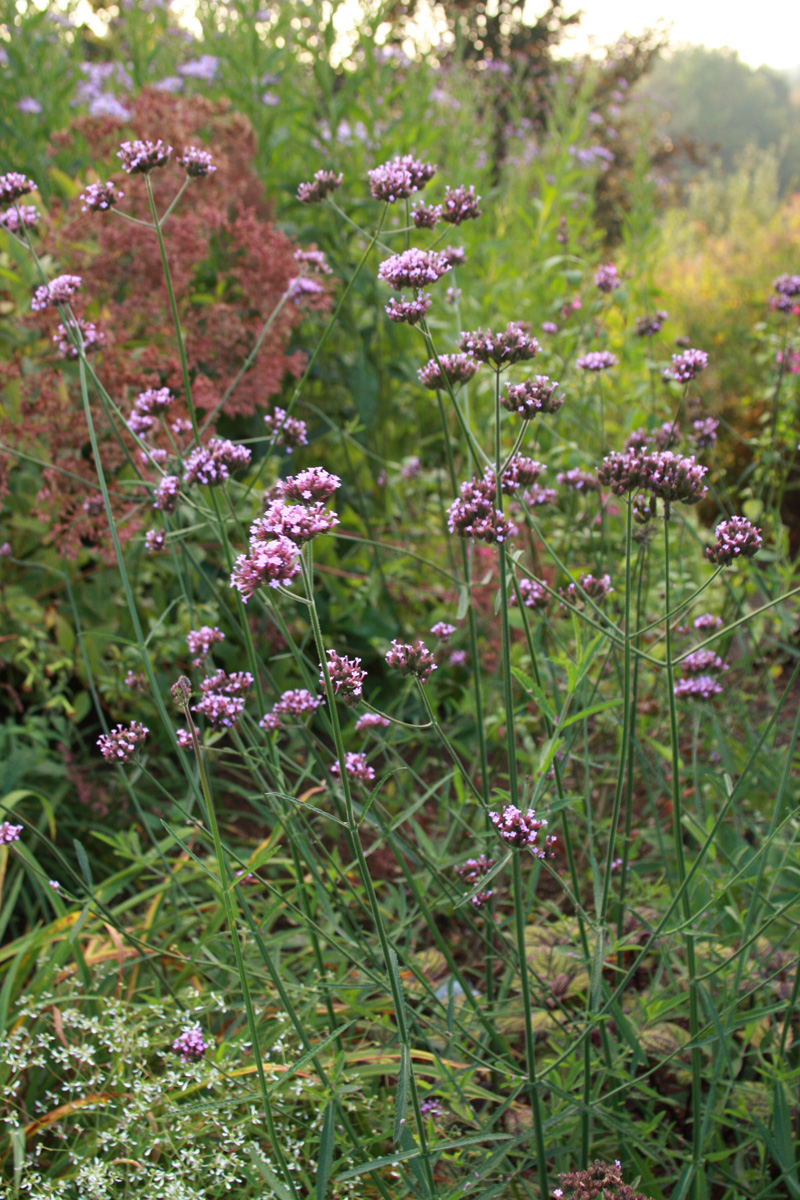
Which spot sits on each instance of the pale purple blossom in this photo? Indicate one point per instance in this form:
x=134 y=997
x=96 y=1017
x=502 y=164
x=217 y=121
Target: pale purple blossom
x=408 y=312
x=303 y=288
x=204 y=68
x=370 y=720
x=460 y=204
x=323 y=183
x=293 y=703
x=286 y=431
x=415 y=660
x=13 y=185
x=28 y=104
x=534 y=594
x=58 y=291
x=458 y=658
x=413 y=268
x=142 y=157
x=703 y=662
x=475 y=515
x=455 y=369
x=606 y=278
x=707 y=621
x=534 y=396
x=201 y=640
x=442 y=631
x=298 y=522
x=399 y=178
x=578 y=480
x=274 y=564
x=698 y=687
x=155 y=541
x=688 y=365
x=426 y=216
x=167 y=493
x=597 y=360
x=85 y=332
x=511 y=346
x=99 y=197
x=309 y=486
x=213 y=463
x=220 y=710
x=120 y=744
x=704 y=432
x=736 y=538
x=196 y=162
x=24 y=216
x=190 y=1045
x=346 y=676
x=549 y=327
x=649 y=326
x=520 y=829
x=9 y=833
x=356 y=766
x=595 y=588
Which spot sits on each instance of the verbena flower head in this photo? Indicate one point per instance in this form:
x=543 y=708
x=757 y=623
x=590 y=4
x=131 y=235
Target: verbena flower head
x=523 y=829
x=426 y=216
x=455 y=369
x=9 y=833
x=534 y=594
x=666 y=436
x=787 y=285
x=167 y=493
x=595 y=588
x=308 y=487
x=664 y=474
x=411 y=660
x=456 y=255
x=707 y=621
x=238 y=683
x=142 y=157
x=346 y=676
x=688 y=365
x=549 y=327
x=432 y=1108
x=475 y=515
x=302 y=288
x=736 y=538
x=413 y=268
x=25 y=216
x=649 y=326
x=704 y=432
x=703 y=662
x=458 y=658
x=511 y=346
x=99 y=197
x=298 y=522
x=286 y=431
x=201 y=640
x=460 y=204
x=213 y=463
x=91 y=338
x=370 y=720
x=272 y=564
x=534 y=396
x=314 y=259
x=606 y=278
x=13 y=185
x=577 y=480
x=293 y=703
x=155 y=541
x=196 y=162
x=221 y=710
x=520 y=472
x=600 y=1181
x=698 y=687
x=190 y=1045
x=356 y=766
x=152 y=399
x=323 y=183
x=408 y=312
x=59 y=291
x=471 y=872
x=120 y=744
x=400 y=178
x=442 y=631
x=597 y=360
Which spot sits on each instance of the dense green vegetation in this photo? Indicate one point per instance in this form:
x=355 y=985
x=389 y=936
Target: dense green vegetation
x=399 y=752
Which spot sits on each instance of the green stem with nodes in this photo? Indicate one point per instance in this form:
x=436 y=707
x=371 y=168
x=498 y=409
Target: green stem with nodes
x=226 y=879
x=176 y=321
x=389 y=957
x=686 y=905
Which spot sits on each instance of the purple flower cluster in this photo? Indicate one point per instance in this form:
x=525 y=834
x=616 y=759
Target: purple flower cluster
x=155 y=541
x=90 y=337
x=454 y=369
x=511 y=346
x=167 y=493
x=356 y=766
x=597 y=360
x=707 y=621
x=649 y=326
x=519 y=472
x=298 y=522
x=212 y=464
x=196 y=162
x=413 y=268
x=533 y=593
x=9 y=833
x=698 y=687
x=688 y=365
x=473 y=870
x=736 y=538
x=59 y=291
x=99 y=197
x=578 y=480
x=190 y=1045
x=294 y=703
x=122 y=741
x=606 y=278
x=370 y=720
x=142 y=157
x=13 y=185
x=25 y=216
x=460 y=204
x=702 y=662
x=286 y=431
x=587 y=585
x=408 y=312
x=222 y=702
x=442 y=631
x=314 y=259
x=301 y=287
x=274 y=564
x=456 y=255
x=309 y=486
x=426 y=216
x=323 y=183
x=787 y=289
x=346 y=676
x=146 y=403
x=201 y=640
x=663 y=473
x=400 y=178
x=474 y=514
x=534 y=396
x=522 y=829
x=411 y=660
x=704 y=432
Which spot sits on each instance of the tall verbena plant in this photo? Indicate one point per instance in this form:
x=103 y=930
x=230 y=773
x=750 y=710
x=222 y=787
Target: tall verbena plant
x=502 y=904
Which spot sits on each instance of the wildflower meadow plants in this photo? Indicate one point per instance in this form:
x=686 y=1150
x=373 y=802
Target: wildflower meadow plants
x=474 y=893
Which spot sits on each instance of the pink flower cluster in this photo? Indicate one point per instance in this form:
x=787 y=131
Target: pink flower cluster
x=703 y=662
x=213 y=463
x=85 y=332
x=400 y=178
x=99 y=197
x=663 y=473
x=9 y=833
x=58 y=291
x=309 y=486
x=578 y=480
x=298 y=522
x=122 y=741
x=274 y=564
x=460 y=204
x=196 y=162
x=649 y=326
x=587 y=585
x=475 y=515
x=597 y=360
x=411 y=660
x=471 y=872
x=222 y=702
x=408 y=312
x=167 y=493
x=346 y=676
x=736 y=538
x=413 y=268
x=606 y=278
x=323 y=183
x=697 y=687
x=201 y=640
x=286 y=431
x=13 y=185
x=357 y=768
x=426 y=216
x=141 y=157
x=454 y=369
x=155 y=541
x=442 y=631
x=534 y=594
x=293 y=703
x=522 y=829
x=534 y=396
x=688 y=365
x=511 y=346
x=371 y=720
x=190 y=1045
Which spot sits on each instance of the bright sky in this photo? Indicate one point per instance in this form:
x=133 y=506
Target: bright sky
x=768 y=32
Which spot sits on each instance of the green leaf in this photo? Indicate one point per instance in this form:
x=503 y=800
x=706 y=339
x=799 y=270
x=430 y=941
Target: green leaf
x=325 y=1157
x=403 y=1091
x=83 y=862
